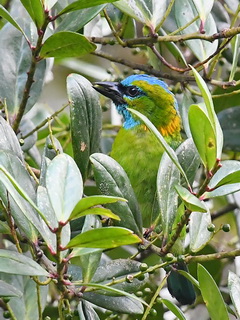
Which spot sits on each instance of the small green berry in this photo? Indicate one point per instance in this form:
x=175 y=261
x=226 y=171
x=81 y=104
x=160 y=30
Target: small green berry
x=147 y=290
x=226 y=227
x=47 y=318
x=153 y=312
x=139 y=293
x=169 y=256
x=6 y=299
x=6 y=314
x=143 y=267
x=50 y=146
x=129 y=278
x=141 y=277
x=21 y=141
x=211 y=227
x=159 y=300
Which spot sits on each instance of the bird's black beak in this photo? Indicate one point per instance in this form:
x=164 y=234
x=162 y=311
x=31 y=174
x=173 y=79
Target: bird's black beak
x=111 y=90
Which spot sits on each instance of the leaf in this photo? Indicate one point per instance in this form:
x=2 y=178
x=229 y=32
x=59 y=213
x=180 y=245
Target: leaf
x=7 y=290
x=229 y=173
x=82 y=4
x=117 y=304
x=76 y=20
x=203 y=136
x=203 y=8
x=198 y=230
x=189 y=277
x=105 y=238
x=210 y=111
x=222 y=191
x=86 y=311
x=168 y=176
x=235 y=57
x=16 y=263
x=136 y=9
x=190 y=201
x=86 y=120
x=230 y=123
x=88 y=202
x=98 y=211
x=14 y=67
x=234 y=290
x=65 y=44
x=162 y=141
x=35 y=10
x=185 y=11
x=6 y=15
x=112 y=180
x=64 y=186
x=211 y=295
x=8 y=139
x=175 y=310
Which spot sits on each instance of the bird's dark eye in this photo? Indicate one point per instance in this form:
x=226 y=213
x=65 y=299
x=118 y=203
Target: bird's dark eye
x=132 y=91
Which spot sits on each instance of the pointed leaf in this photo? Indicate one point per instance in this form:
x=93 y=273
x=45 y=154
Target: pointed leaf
x=210 y=111
x=64 y=185
x=88 y=202
x=35 y=10
x=136 y=9
x=112 y=180
x=211 y=295
x=105 y=238
x=198 y=230
x=86 y=311
x=203 y=136
x=203 y=8
x=81 y=4
x=6 y=15
x=234 y=289
x=175 y=310
x=168 y=176
x=98 y=211
x=65 y=44
x=235 y=57
x=229 y=173
x=222 y=191
x=190 y=201
x=16 y=263
x=86 y=120
x=7 y=290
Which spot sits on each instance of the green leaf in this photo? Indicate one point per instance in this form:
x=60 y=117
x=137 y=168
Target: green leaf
x=203 y=136
x=121 y=304
x=175 y=310
x=4 y=228
x=234 y=290
x=14 y=66
x=136 y=9
x=86 y=311
x=190 y=201
x=81 y=4
x=229 y=173
x=64 y=186
x=211 y=295
x=88 y=202
x=162 y=141
x=6 y=15
x=89 y=262
x=198 y=230
x=7 y=290
x=65 y=44
x=185 y=11
x=105 y=238
x=98 y=211
x=230 y=122
x=112 y=180
x=168 y=176
x=235 y=57
x=76 y=20
x=86 y=120
x=203 y=8
x=16 y=263
x=189 y=277
x=35 y=10
x=222 y=191
x=210 y=111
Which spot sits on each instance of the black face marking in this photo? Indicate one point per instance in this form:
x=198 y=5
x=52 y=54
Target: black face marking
x=130 y=91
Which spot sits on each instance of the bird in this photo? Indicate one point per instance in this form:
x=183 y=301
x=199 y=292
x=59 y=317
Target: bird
x=138 y=151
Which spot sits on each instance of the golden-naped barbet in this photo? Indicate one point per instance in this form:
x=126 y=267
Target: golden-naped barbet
x=137 y=150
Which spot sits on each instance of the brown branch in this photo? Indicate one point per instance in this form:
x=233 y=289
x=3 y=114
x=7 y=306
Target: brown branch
x=213 y=256
x=150 y=40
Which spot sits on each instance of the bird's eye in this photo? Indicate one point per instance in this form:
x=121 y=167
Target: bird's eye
x=132 y=91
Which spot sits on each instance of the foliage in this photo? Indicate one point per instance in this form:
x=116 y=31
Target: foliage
x=60 y=238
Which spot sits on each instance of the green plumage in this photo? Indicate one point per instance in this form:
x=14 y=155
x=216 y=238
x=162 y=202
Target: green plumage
x=138 y=151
